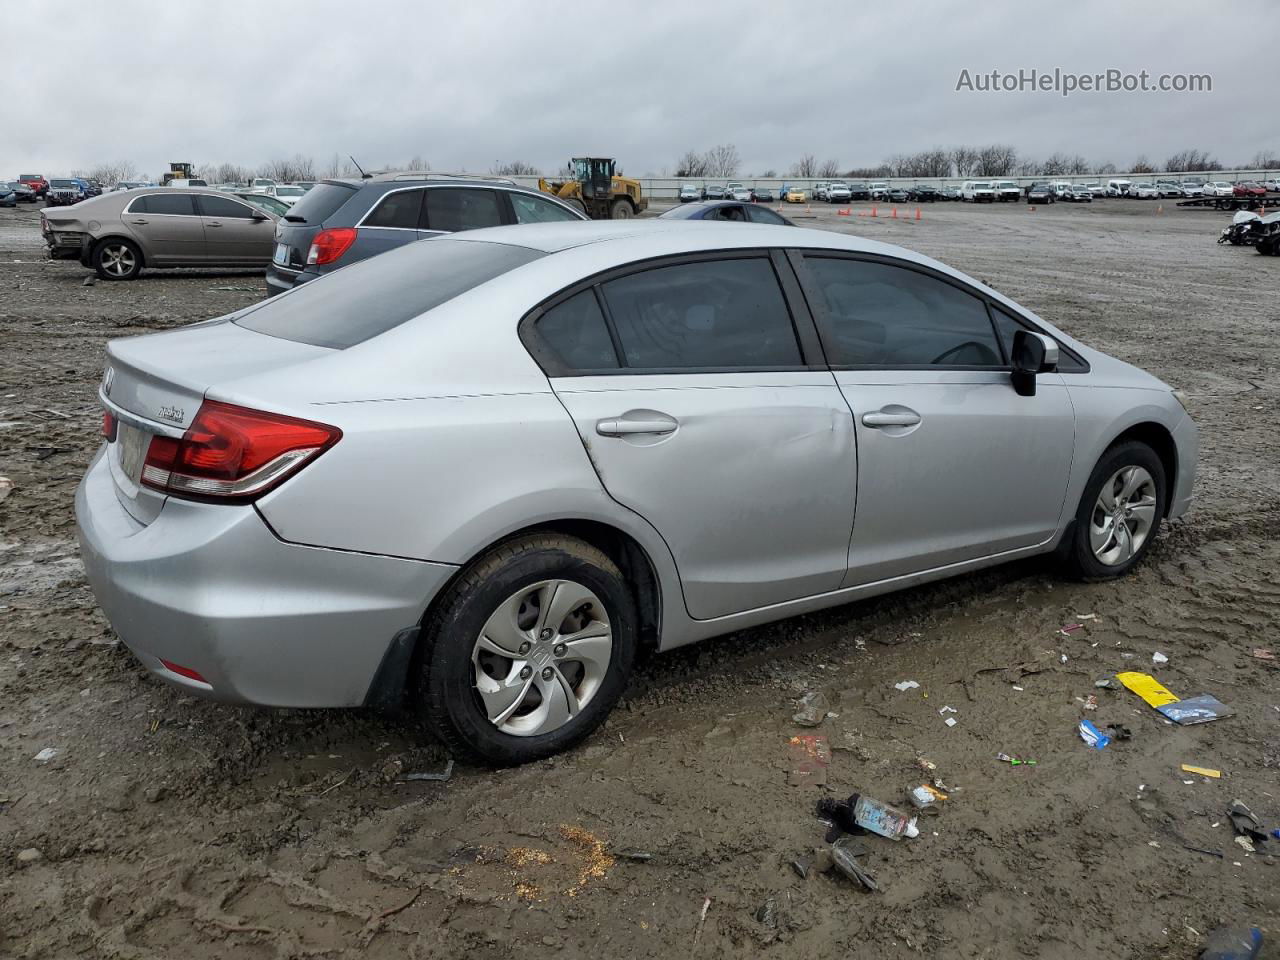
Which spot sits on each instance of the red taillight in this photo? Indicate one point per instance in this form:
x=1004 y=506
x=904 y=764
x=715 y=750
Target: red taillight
x=330 y=244
x=182 y=671
x=233 y=453
x=109 y=426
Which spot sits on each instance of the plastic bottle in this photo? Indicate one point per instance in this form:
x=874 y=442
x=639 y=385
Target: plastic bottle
x=880 y=818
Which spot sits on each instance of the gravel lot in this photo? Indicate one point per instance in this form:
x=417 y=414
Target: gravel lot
x=164 y=826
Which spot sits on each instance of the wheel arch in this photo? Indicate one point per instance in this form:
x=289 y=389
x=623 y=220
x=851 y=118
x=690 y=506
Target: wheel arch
x=1158 y=438
x=119 y=235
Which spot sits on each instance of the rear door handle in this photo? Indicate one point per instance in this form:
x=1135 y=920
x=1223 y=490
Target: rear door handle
x=140 y=220
x=627 y=427
x=213 y=223
x=882 y=419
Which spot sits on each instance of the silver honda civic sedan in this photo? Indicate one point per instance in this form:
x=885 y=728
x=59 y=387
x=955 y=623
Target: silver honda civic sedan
x=477 y=474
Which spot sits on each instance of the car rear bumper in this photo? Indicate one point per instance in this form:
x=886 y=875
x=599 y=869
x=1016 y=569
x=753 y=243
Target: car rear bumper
x=210 y=588
x=279 y=280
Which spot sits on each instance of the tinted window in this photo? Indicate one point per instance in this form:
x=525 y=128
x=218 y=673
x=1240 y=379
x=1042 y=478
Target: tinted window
x=227 y=209
x=319 y=203
x=400 y=209
x=731 y=212
x=456 y=208
x=176 y=204
x=884 y=315
x=716 y=313
x=764 y=215
x=530 y=209
x=372 y=296
x=576 y=332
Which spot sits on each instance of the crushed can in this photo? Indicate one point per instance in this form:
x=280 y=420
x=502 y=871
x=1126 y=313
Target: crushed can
x=925 y=796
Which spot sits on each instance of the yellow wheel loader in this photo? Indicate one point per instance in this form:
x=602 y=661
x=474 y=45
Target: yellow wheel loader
x=597 y=191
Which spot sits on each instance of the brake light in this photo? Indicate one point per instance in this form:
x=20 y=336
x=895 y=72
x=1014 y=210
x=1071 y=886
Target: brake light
x=330 y=244
x=234 y=454
x=109 y=426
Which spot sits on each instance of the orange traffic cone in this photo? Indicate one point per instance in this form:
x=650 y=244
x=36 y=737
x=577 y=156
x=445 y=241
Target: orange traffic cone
x=1031 y=209
x=895 y=213
x=1159 y=209
x=917 y=213
x=873 y=211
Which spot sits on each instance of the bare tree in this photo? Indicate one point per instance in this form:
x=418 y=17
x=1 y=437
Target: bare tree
x=829 y=169
x=996 y=160
x=1055 y=165
x=692 y=164
x=516 y=168
x=1191 y=161
x=769 y=172
x=722 y=160
x=868 y=173
x=1265 y=160
x=1142 y=165
x=805 y=167
x=112 y=173
x=1030 y=168
x=300 y=167
x=229 y=173
x=1105 y=169
x=965 y=160
x=1078 y=165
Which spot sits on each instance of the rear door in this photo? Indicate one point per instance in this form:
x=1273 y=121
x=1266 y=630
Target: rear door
x=235 y=233
x=953 y=464
x=697 y=389
x=169 y=227
x=391 y=223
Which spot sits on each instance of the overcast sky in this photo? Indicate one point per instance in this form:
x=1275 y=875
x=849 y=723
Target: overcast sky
x=466 y=85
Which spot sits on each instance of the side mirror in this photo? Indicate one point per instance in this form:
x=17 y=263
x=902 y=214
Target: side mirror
x=1033 y=353
x=259 y=215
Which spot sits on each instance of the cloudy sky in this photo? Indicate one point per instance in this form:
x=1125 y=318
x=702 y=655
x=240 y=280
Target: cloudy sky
x=465 y=85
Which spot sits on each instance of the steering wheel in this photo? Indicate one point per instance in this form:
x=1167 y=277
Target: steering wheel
x=985 y=354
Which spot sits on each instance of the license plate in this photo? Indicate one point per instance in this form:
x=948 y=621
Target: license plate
x=282 y=254
x=131 y=450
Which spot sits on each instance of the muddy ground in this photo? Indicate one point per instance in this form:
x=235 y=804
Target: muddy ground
x=168 y=827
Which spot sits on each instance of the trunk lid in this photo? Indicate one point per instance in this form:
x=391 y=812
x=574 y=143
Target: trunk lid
x=154 y=386
x=304 y=219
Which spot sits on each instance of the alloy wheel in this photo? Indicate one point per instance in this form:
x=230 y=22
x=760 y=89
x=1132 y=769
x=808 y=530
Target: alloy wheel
x=1123 y=516
x=118 y=260
x=541 y=657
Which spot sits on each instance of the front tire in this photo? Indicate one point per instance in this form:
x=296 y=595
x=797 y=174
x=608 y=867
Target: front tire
x=116 y=259
x=621 y=210
x=528 y=650
x=1119 y=513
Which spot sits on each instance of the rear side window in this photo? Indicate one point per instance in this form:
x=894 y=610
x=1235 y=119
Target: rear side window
x=529 y=209
x=459 y=208
x=883 y=315
x=173 y=204
x=400 y=209
x=764 y=215
x=320 y=203
x=370 y=297
x=576 y=332
x=710 y=314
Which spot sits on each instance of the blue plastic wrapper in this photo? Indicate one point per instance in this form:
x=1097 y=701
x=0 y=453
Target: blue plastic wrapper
x=1092 y=735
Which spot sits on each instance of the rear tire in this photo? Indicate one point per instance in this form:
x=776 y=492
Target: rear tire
x=1119 y=513
x=116 y=259
x=470 y=692
x=621 y=210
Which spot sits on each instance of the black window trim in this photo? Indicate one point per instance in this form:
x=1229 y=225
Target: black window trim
x=195 y=212
x=818 y=309
x=802 y=322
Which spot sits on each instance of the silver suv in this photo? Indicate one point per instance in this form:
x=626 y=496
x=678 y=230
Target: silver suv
x=481 y=473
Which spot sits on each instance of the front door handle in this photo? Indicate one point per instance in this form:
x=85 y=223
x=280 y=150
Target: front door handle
x=212 y=223
x=897 y=419
x=628 y=427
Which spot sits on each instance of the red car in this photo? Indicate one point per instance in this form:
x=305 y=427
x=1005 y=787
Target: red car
x=1247 y=188
x=36 y=182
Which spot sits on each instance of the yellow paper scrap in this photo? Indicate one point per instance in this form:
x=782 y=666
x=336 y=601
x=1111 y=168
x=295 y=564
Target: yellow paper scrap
x=1203 y=771
x=1148 y=688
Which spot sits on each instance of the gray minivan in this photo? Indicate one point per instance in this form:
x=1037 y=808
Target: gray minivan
x=339 y=222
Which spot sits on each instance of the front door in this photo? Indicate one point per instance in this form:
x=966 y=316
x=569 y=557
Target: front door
x=693 y=399
x=235 y=233
x=953 y=465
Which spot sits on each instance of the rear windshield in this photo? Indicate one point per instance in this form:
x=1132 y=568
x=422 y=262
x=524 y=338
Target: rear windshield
x=368 y=298
x=320 y=203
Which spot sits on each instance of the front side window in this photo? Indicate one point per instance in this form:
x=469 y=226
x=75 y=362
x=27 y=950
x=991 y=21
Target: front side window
x=764 y=215
x=529 y=209
x=883 y=315
x=224 y=208
x=451 y=209
x=710 y=314
x=400 y=210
